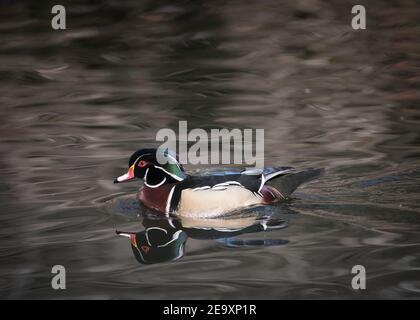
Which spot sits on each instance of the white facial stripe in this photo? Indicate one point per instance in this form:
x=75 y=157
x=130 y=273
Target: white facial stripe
x=170 y=156
x=152 y=186
x=155 y=185
x=171 y=174
x=143 y=155
x=167 y=172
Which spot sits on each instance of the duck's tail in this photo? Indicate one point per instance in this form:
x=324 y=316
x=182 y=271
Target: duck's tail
x=288 y=183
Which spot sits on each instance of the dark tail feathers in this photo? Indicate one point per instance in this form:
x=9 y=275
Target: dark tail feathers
x=288 y=183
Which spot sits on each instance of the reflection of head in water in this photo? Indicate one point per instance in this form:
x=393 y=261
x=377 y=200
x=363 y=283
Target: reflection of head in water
x=164 y=239
x=156 y=244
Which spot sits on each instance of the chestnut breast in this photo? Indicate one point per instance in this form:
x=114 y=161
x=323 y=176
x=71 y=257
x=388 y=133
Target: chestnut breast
x=155 y=198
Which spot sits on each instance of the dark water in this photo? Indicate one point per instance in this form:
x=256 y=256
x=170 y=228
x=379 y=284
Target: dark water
x=76 y=103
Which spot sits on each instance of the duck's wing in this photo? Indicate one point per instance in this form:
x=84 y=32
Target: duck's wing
x=251 y=182
x=264 y=175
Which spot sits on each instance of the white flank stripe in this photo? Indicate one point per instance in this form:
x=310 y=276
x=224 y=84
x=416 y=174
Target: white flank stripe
x=201 y=188
x=234 y=183
x=227 y=183
x=262 y=184
x=219 y=188
x=168 y=202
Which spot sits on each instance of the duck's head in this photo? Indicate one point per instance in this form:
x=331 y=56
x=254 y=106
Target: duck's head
x=154 y=166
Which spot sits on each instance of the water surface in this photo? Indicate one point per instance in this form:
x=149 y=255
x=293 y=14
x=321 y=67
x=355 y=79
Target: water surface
x=75 y=104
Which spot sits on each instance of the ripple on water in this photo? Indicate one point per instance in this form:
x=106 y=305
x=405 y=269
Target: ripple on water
x=72 y=117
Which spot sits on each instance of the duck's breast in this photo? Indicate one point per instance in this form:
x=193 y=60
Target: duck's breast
x=155 y=198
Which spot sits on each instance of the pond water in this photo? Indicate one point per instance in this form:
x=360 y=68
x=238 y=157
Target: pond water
x=76 y=103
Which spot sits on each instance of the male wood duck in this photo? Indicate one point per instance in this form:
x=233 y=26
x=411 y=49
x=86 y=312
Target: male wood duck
x=170 y=190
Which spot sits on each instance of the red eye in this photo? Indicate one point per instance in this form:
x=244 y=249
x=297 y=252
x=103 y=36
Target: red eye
x=145 y=249
x=142 y=163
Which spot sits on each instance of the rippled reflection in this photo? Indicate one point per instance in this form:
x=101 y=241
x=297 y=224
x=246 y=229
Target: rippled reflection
x=163 y=239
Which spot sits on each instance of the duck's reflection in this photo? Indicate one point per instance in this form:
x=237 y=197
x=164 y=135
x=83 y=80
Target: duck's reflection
x=163 y=239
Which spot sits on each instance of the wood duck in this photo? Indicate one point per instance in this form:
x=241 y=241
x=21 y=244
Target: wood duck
x=170 y=190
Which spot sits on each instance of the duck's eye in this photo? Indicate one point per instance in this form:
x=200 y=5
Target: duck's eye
x=142 y=163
